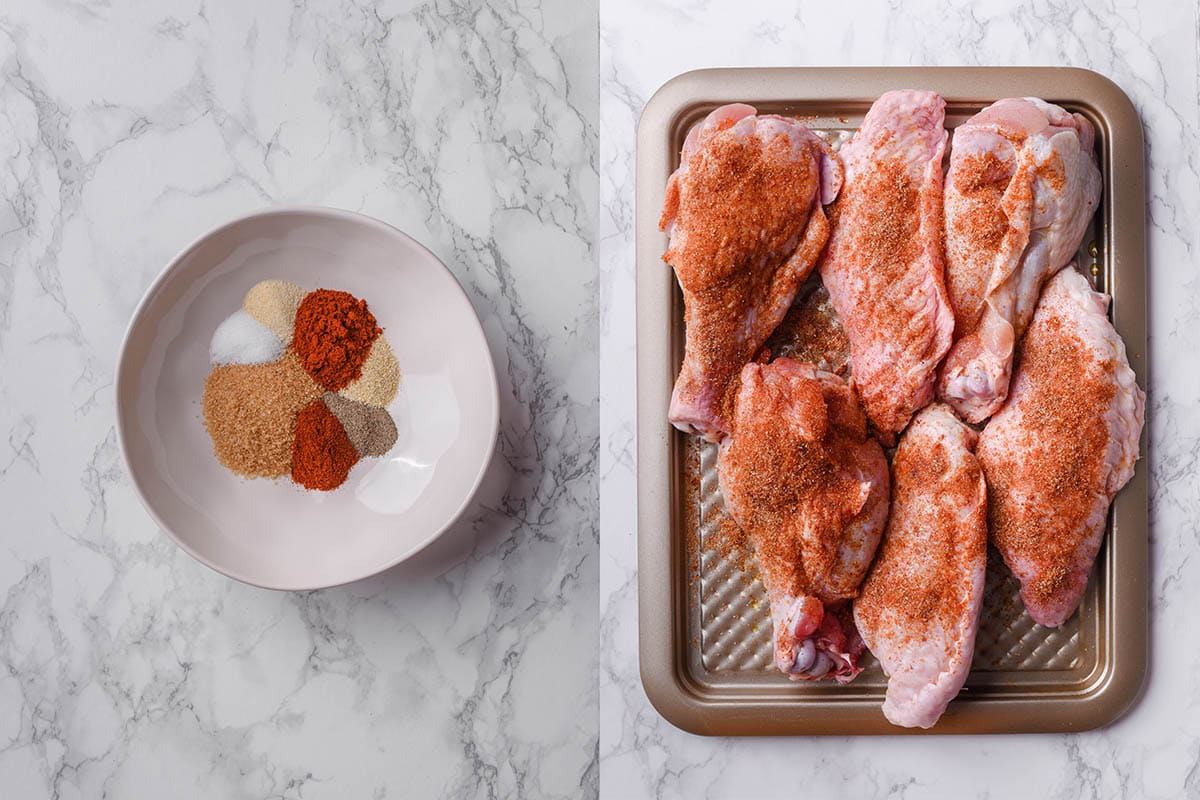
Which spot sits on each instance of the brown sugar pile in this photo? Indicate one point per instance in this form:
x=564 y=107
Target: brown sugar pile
x=250 y=413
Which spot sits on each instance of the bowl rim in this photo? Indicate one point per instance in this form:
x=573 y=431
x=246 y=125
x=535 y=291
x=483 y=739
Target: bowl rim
x=123 y=365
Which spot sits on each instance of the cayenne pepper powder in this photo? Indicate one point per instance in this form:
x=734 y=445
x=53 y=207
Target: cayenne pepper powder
x=322 y=454
x=333 y=336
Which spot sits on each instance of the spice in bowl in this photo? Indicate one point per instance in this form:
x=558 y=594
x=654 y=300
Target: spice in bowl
x=322 y=454
x=274 y=304
x=333 y=335
x=379 y=379
x=250 y=412
x=299 y=386
x=242 y=339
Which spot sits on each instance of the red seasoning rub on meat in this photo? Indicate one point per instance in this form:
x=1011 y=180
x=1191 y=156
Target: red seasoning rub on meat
x=744 y=215
x=1063 y=444
x=1022 y=186
x=919 y=608
x=809 y=486
x=883 y=266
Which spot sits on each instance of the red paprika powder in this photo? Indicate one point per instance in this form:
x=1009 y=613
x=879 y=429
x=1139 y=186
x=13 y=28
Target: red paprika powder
x=322 y=453
x=333 y=335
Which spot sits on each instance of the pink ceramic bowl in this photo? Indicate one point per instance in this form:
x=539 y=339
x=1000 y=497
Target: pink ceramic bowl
x=273 y=533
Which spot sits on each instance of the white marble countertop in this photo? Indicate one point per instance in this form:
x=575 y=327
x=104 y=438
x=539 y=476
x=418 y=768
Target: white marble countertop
x=1150 y=50
x=127 y=670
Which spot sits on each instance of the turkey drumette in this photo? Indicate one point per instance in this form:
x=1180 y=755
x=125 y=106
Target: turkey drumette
x=744 y=214
x=809 y=486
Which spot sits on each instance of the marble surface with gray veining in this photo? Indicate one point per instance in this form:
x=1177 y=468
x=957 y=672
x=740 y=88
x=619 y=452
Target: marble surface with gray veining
x=128 y=670
x=1150 y=50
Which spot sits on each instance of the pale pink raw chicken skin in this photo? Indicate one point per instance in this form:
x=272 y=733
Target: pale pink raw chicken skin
x=809 y=486
x=746 y=225
x=883 y=265
x=1022 y=186
x=919 y=608
x=1063 y=444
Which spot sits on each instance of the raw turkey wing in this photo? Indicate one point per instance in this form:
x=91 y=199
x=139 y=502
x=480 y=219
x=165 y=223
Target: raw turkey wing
x=1063 y=444
x=1022 y=186
x=919 y=608
x=883 y=265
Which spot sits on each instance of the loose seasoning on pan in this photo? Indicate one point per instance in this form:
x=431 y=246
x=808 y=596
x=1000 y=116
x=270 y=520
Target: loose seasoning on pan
x=300 y=386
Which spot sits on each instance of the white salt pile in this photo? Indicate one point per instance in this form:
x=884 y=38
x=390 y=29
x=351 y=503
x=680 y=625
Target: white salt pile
x=241 y=339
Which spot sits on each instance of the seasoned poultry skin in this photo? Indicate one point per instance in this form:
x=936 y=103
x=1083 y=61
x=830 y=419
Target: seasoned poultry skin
x=746 y=225
x=919 y=608
x=883 y=265
x=809 y=486
x=1062 y=445
x=1022 y=186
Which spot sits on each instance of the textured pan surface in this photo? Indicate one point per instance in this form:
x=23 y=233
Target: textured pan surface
x=706 y=632
x=730 y=610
